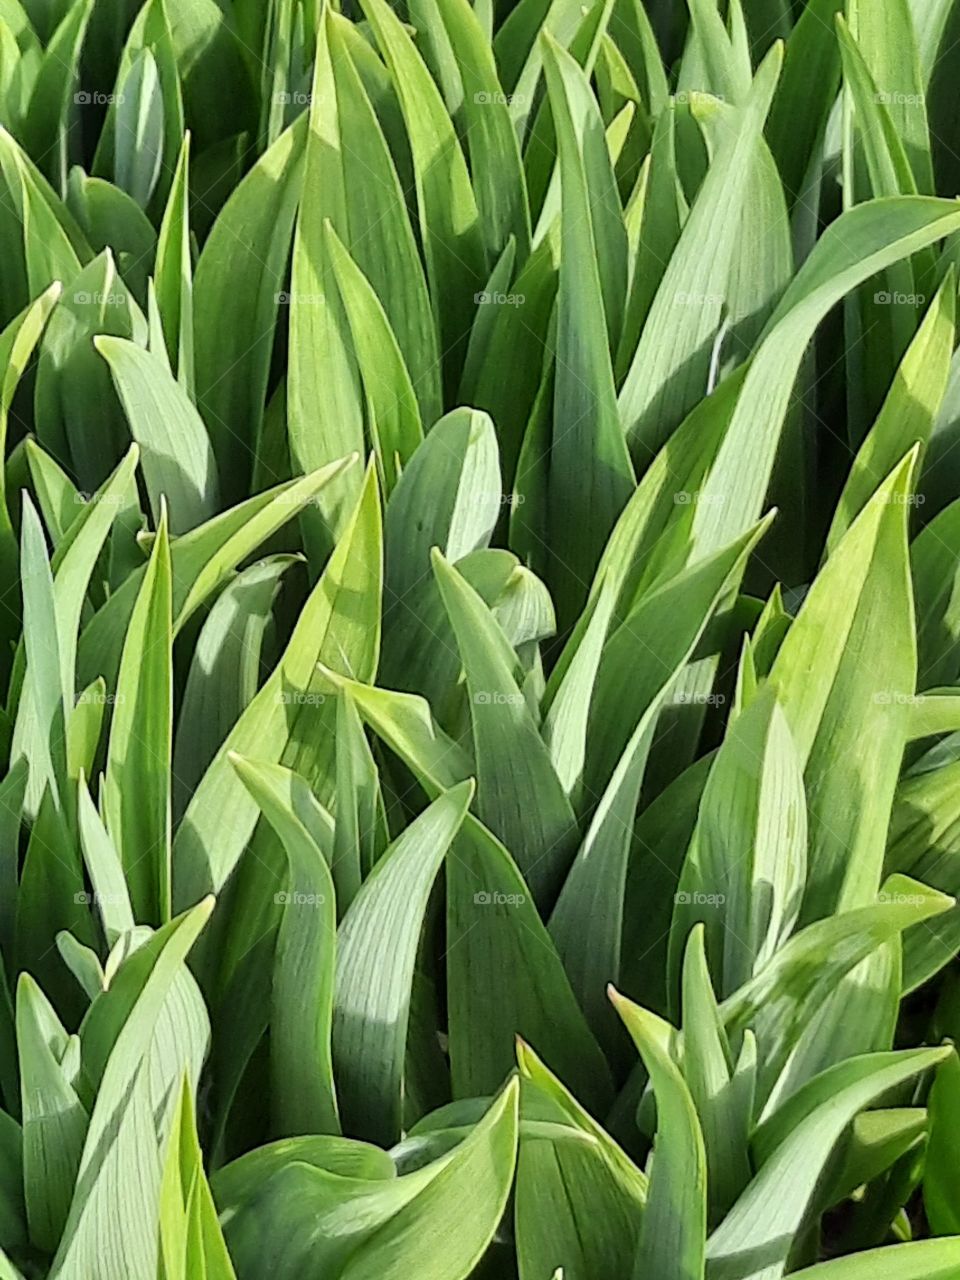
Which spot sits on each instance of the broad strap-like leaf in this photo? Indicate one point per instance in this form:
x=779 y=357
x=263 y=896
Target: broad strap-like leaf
x=178 y=460
x=675 y=1217
x=754 y=1241
x=137 y=779
x=590 y=475
x=363 y=1228
x=292 y=718
x=745 y=871
x=301 y=1064
x=372 y=1002
x=519 y=796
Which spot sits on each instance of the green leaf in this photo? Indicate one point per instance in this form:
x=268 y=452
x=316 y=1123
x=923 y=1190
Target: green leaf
x=53 y=1117
x=722 y=1090
x=448 y=497
x=579 y=1196
x=79 y=417
x=372 y=1229
x=147 y=104
x=137 y=779
x=391 y=400
x=583 y=507
x=372 y=1007
x=662 y=215
x=805 y=94
x=655 y=637
x=240 y=1180
x=878 y=1139
x=861 y=242
x=919 y=1260
x=670 y=368
x=178 y=461
x=933 y=561
x=908 y=412
x=53 y=246
x=675 y=1218
x=449 y=218
x=304 y=1097
x=109 y=218
x=40 y=730
x=139 y=135
x=240 y=272
x=519 y=796
x=842 y=685
x=13 y=790
x=361 y=835
x=754 y=1240
x=110 y=893
x=922 y=842
x=224 y=673
x=889 y=46
x=810 y=966
x=118 y=1186
x=57 y=496
x=45 y=127
x=174 y=274
x=587 y=921
x=745 y=871
x=940 y=1165
x=191 y=1242
x=292 y=718
x=201 y=561
x=728 y=75
x=498 y=177
x=377 y=230
x=17 y=343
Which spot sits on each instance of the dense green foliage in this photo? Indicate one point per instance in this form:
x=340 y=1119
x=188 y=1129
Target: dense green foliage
x=480 y=554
